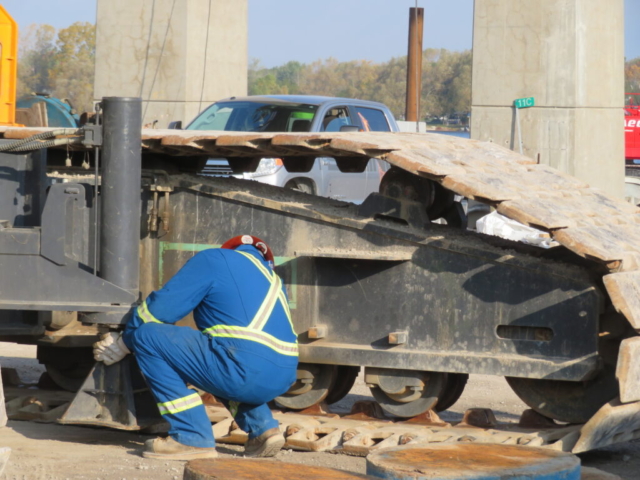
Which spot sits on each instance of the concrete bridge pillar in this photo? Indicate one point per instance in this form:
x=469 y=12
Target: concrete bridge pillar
x=178 y=55
x=569 y=56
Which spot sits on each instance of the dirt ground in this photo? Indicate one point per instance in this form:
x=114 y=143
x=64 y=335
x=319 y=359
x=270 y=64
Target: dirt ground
x=55 y=452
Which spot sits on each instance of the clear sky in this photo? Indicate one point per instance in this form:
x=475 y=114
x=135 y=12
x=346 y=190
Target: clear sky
x=308 y=30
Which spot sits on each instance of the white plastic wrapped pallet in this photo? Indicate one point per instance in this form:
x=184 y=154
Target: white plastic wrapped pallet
x=501 y=226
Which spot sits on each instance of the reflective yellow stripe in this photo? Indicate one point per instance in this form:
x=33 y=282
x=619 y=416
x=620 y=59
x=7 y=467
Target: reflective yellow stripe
x=283 y=298
x=145 y=314
x=253 y=331
x=269 y=302
x=285 y=306
x=225 y=331
x=180 y=404
x=257 y=263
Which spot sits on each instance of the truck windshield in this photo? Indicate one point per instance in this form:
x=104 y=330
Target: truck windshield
x=255 y=117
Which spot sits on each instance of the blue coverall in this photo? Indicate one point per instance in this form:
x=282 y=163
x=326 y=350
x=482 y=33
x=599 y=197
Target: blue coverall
x=245 y=352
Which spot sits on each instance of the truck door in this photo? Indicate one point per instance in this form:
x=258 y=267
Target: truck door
x=373 y=120
x=348 y=187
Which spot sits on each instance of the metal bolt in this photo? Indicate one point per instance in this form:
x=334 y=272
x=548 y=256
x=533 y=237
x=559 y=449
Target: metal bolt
x=398 y=338
x=318 y=331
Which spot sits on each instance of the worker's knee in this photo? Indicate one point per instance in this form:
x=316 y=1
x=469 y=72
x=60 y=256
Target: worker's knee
x=146 y=336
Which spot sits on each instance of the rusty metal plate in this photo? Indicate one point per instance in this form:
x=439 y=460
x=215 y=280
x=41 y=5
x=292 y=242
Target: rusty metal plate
x=476 y=462
x=613 y=423
x=624 y=290
x=628 y=370
x=249 y=469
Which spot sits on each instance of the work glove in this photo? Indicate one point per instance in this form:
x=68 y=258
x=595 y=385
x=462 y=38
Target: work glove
x=110 y=349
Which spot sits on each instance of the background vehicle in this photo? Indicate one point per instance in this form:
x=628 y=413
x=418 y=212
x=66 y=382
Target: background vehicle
x=301 y=113
x=632 y=128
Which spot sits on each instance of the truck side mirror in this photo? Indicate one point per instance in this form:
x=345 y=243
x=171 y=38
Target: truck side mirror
x=175 y=125
x=350 y=128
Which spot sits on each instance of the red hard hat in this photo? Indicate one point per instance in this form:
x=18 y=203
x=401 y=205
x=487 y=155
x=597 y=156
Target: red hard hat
x=235 y=242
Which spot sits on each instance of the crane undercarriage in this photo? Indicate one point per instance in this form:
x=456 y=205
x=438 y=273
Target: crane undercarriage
x=396 y=286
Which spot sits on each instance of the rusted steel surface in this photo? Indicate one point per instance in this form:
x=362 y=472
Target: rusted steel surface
x=473 y=462
x=613 y=423
x=624 y=290
x=628 y=370
x=583 y=219
x=246 y=469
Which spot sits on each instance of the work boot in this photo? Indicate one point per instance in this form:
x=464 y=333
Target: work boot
x=169 y=449
x=266 y=445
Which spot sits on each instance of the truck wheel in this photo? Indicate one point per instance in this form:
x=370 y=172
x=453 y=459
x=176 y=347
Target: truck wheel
x=301 y=185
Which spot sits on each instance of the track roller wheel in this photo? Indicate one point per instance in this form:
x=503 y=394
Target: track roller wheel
x=438 y=201
x=577 y=402
x=572 y=402
x=405 y=393
x=400 y=184
x=312 y=385
x=67 y=367
x=452 y=391
x=344 y=380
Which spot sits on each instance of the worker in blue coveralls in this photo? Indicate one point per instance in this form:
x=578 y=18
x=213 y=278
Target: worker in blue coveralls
x=245 y=352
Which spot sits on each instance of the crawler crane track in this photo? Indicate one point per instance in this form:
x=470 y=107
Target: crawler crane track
x=366 y=429
x=604 y=231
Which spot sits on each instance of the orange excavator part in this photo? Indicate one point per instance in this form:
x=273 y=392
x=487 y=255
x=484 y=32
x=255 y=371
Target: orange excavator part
x=8 y=67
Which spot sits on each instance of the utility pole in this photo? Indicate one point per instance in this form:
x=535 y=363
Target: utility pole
x=414 y=65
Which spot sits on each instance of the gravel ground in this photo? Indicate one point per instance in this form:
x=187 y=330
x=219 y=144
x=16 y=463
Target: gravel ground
x=52 y=452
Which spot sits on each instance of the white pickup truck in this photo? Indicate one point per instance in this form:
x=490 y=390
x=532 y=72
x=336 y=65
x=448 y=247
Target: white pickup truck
x=301 y=113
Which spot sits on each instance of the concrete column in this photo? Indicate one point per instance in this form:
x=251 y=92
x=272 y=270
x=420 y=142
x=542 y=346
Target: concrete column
x=179 y=56
x=569 y=55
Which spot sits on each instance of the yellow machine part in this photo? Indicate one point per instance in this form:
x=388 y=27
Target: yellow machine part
x=8 y=67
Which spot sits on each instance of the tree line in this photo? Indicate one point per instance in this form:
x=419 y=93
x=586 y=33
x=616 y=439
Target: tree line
x=632 y=76
x=61 y=63
x=446 y=81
